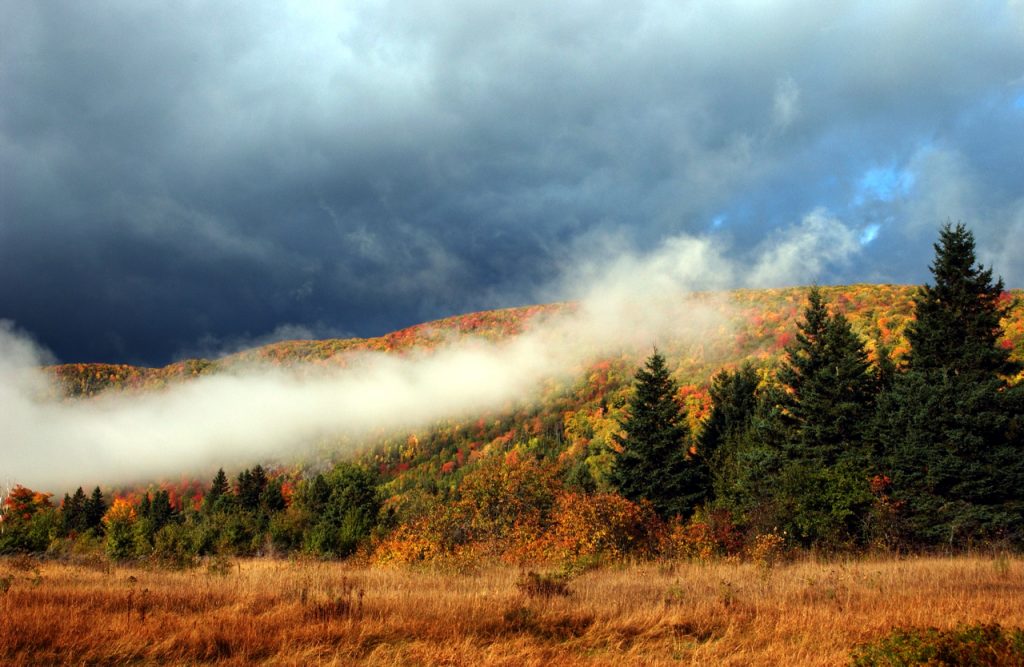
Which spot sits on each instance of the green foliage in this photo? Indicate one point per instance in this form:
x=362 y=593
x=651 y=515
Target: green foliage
x=746 y=473
x=734 y=404
x=654 y=463
x=831 y=389
x=830 y=399
x=42 y=529
x=343 y=508
x=153 y=514
x=288 y=527
x=240 y=533
x=949 y=429
x=958 y=319
x=823 y=506
x=74 y=517
x=966 y=646
x=955 y=473
x=249 y=488
x=95 y=509
x=120 y=543
x=218 y=489
x=174 y=546
x=28 y=521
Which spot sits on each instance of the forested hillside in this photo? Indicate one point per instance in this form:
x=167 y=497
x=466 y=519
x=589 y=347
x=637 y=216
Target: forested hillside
x=804 y=420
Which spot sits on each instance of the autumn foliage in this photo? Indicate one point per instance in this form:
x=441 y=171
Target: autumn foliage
x=528 y=482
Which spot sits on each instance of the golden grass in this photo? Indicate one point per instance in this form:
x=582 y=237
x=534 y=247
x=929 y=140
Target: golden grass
x=302 y=613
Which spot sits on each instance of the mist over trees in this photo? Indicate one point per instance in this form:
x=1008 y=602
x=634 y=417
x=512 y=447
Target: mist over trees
x=844 y=443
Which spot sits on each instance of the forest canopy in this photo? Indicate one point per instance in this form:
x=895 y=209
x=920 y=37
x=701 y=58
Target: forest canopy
x=839 y=419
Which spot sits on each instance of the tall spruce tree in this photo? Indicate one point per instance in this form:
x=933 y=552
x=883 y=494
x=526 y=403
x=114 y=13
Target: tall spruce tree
x=654 y=464
x=733 y=403
x=74 y=510
x=251 y=484
x=219 y=489
x=830 y=398
x=733 y=407
x=95 y=508
x=948 y=430
x=957 y=320
x=831 y=387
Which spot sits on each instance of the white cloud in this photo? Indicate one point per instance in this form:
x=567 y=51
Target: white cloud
x=627 y=300
x=800 y=254
x=786 y=105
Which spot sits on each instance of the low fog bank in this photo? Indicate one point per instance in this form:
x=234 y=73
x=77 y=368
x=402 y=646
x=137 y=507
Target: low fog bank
x=627 y=299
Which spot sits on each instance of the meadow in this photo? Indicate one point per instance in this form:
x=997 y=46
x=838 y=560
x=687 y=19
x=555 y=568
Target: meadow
x=294 y=612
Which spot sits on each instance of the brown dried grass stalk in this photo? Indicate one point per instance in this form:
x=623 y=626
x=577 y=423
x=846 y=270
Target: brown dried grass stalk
x=287 y=613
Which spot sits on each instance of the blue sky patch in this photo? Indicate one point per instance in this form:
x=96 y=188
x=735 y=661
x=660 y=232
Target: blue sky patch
x=883 y=184
x=869 y=234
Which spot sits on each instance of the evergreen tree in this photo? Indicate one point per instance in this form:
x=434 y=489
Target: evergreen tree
x=747 y=481
x=733 y=406
x=272 y=498
x=830 y=398
x=343 y=507
x=218 y=489
x=948 y=429
x=654 y=463
x=957 y=320
x=831 y=387
x=95 y=509
x=74 y=517
x=733 y=403
x=886 y=369
x=314 y=494
x=251 y=484
x=956 y=475
x=66 y=527
x=161 y=511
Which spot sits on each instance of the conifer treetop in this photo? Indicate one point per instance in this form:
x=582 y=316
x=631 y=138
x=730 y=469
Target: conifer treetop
x=958 y=318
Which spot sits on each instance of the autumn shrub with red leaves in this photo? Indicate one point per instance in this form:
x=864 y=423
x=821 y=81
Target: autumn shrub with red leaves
x=708 y=534
x=601 y=525
x=28 y=521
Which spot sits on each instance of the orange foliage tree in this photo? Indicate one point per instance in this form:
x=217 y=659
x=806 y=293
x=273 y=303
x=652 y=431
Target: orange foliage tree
x=118 y=521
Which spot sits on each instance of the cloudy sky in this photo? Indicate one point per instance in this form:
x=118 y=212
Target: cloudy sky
x=183 y=178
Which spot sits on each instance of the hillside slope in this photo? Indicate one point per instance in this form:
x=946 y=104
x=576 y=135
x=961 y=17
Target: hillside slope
x=761 y=324
x=573 y=420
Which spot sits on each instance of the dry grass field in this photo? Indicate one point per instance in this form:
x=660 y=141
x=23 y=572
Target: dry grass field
x=310 y=613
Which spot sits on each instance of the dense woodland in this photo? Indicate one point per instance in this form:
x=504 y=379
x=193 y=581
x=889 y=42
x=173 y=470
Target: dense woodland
x=819 y=423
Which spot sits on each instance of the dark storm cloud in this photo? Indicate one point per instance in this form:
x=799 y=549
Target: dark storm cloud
x=181 y=175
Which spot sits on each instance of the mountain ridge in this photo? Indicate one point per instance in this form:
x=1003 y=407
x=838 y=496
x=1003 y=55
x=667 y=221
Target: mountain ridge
x=763 y=321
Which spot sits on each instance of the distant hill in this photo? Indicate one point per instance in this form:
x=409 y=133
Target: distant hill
x=574 y=420
x=763 y=323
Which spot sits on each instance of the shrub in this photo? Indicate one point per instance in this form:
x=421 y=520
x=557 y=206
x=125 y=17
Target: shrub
x=603 y=524
x=707 y=535
x=175 y=547
x=501 y=507
x=966 y=646
x=534 y=584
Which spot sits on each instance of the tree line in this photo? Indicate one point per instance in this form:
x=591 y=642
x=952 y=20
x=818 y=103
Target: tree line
x=835 y=451
x=831 y=449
